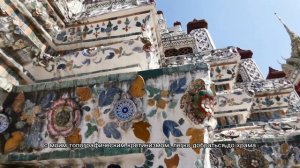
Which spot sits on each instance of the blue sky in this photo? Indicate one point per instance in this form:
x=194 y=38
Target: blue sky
x=248 y=24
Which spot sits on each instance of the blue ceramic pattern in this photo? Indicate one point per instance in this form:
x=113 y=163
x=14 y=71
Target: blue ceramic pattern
x=106 y=97
x=110 y=130
x=110 y=27
x=149 y=159
x=176 y=87
x=86 y=62
x=110 y=56
x=4 y=123
x=169 y=126
x=34 y=139
x=46 y=101
x=266 y=149
x=62 y=36
x=124 y=110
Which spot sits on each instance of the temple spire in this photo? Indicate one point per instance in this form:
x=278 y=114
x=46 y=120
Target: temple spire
x=289 y=31
x=295 y=43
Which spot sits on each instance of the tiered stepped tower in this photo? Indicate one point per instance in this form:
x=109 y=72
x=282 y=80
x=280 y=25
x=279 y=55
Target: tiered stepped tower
x=106 y=83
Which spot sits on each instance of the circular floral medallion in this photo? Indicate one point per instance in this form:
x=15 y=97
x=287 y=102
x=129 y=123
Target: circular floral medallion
x=4 y=123
x=63 y=117
x=198 y=102
x=124 y=110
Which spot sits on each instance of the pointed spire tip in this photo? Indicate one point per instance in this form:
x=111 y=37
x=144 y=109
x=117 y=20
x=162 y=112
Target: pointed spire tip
x=289 y=31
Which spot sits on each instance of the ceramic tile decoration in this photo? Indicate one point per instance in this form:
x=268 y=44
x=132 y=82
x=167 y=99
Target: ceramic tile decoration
x=124 y=109
x=198 y=102
x=4 y=123
x=63 y=117
x=107 y=84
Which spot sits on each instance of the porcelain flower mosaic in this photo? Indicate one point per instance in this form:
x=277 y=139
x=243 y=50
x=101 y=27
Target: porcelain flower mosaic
x=63 y=117
x=198 y=102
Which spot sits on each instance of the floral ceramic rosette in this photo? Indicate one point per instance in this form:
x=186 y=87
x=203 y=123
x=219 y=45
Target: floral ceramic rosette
x=198 y=102
x=63 y=117
x=126 y=110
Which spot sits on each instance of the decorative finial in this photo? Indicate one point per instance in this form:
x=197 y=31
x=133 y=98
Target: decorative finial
x=295 y=43
x=291 y=33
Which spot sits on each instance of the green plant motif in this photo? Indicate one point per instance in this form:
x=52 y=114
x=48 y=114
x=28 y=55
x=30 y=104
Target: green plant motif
x=109 y=28
x=219 y=72
x=143 y=24
x=96 y=34
x=86 y=31
x=268 y=102
x=218 y=69
x=127 y=27
x=91 y=129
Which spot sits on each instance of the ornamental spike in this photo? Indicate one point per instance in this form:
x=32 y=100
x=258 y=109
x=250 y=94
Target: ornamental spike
x=291 y=33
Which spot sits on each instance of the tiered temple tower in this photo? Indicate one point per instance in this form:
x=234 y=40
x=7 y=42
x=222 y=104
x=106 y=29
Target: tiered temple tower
x=106 y=83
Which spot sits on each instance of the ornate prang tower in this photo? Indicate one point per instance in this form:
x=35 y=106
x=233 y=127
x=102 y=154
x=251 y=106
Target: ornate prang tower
x=106 y=83
x=293 y=63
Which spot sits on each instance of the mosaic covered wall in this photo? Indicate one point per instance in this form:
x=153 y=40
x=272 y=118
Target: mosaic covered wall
x=152 y=107
x=129 y=55
x=51 y=49
x=73 y=10
x=265 y=155
x=169 y=106
x=101 y=30
x=121 y=44
x=96 y=114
